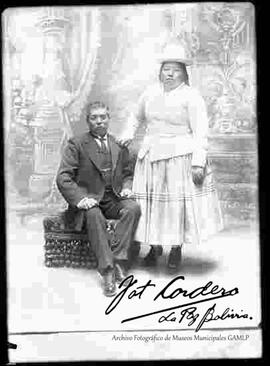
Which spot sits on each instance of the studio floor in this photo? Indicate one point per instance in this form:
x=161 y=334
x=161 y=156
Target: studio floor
x=44 y=300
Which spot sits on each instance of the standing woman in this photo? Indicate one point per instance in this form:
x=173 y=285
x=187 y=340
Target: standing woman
x=173 y=182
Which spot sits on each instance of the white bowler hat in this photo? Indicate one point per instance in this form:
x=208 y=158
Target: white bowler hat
x=175 y=53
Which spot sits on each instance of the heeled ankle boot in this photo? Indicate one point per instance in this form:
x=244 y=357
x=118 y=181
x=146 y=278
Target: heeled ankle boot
x=151 y=258
x=175 y=257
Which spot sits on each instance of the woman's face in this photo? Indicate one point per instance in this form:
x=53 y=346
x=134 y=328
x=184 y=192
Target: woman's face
x=171 y=75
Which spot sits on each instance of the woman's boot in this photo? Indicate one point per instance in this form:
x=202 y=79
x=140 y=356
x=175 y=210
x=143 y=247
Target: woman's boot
x=175 y=257
x=151 y=258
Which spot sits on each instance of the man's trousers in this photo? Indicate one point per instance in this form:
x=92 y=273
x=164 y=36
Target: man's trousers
x=128 y=212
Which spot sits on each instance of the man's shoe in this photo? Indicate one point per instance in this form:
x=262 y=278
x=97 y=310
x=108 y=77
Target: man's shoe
x=120 y=274
x=151 y=258
x=175 y=257
x=109 y=287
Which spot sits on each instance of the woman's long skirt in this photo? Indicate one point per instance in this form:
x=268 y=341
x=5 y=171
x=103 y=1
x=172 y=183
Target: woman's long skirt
x=174 y=209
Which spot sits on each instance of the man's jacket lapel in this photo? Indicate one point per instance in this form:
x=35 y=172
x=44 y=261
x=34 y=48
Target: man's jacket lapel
x=115 y=149
x=90 y=148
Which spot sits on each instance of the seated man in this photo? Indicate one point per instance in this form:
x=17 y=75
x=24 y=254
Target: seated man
x=95 y=178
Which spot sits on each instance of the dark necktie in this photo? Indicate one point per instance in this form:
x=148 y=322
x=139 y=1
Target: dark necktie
x=103 y=145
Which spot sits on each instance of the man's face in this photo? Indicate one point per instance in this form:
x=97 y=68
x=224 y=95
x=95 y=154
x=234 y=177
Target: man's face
x=98 y=121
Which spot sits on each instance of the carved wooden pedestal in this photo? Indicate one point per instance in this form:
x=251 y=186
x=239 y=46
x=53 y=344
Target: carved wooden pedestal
x=48 y=134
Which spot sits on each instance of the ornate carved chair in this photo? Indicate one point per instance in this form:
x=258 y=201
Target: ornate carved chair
x=65 y=247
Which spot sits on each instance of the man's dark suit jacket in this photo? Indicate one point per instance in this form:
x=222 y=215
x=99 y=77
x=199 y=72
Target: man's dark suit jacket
x=79 y=174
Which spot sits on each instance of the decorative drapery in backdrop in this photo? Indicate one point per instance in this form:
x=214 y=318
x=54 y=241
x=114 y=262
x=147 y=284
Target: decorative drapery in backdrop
x=50 y=98
x=45 y=98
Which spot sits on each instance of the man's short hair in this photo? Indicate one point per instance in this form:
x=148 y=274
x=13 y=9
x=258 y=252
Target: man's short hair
x=96 y=105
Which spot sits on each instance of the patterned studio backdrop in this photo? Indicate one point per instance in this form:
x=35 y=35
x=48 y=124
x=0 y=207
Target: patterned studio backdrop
x=56 y=59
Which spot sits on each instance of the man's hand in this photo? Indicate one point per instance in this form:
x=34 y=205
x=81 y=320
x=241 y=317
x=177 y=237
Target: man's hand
x=126 y=193
x=197 y=175
x=86 y=203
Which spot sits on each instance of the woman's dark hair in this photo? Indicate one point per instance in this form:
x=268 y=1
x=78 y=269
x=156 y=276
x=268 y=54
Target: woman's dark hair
x=184 y=69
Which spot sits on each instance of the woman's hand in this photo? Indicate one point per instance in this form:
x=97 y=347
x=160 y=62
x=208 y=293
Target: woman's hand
x=124 y=141
x=197 y=175
x=126 y=193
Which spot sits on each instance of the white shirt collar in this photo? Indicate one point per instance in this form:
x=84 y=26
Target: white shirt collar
x=99 y=137
x=104 y=137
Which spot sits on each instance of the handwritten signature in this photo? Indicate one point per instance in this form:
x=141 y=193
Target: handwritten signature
x=188 y=310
